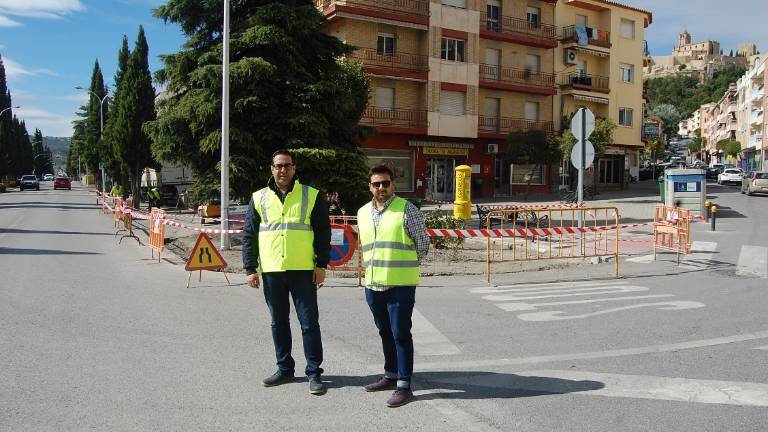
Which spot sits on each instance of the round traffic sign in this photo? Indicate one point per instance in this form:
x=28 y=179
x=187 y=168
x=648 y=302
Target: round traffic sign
x=576 y=155
x=343 y=244
x=583 y=117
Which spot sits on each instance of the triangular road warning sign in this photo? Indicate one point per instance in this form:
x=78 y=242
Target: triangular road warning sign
x=205 y=256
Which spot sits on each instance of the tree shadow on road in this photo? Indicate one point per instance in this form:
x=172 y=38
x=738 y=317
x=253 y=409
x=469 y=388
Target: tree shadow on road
x=17 y=251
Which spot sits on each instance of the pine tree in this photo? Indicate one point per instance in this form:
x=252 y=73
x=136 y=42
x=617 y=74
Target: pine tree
x=287 y=91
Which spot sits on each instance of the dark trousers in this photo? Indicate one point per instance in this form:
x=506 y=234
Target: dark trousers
x=299 y=284
x=392 y=310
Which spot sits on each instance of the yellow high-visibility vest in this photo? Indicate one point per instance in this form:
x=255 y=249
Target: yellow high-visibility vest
x=389 y=254
x=285 y=233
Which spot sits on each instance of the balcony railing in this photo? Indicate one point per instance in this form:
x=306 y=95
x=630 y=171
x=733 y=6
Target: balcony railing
x=394 y=117
x=398 y=61
x=597 y=37
x=506 y=125
x=418 y=8
x=578 y=80
x=506 y=24
x=510 y=75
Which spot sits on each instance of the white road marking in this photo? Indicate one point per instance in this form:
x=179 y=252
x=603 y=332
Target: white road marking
x=700 y=256
x=558 y=315
x=565 y=292
x=522 y=306
x=427 y=339
x=764 y=348
x=544 y=286
x=625 y=386
x=593 y=354
x=643 y=259
x=753 y=261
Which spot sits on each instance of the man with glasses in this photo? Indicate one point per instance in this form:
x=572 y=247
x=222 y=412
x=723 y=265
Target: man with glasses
x=394 y=240
x=288 y=235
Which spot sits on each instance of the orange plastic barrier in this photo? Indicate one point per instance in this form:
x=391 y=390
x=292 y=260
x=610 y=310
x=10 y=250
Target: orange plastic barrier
x=118 y=215
x=156 y=232
x=672 y=230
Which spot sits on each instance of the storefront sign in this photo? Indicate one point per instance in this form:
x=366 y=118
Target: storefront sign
x=445 y=151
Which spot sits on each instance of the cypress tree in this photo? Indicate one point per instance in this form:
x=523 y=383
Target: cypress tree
x=6 y=123
x=92 y=147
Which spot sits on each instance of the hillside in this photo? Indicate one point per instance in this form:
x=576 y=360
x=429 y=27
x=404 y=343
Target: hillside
x=59 y=148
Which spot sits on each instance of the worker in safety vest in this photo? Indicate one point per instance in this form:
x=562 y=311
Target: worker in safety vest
x=287 y=235
x=153 y=195
x=394 y=241
x=117 y=191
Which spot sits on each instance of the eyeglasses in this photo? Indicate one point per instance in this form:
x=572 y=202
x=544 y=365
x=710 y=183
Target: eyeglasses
x=385 y=184
x=282 y=166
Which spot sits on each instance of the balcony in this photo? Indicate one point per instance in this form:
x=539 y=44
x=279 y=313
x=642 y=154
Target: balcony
x=398 y=64
x=507 y=125
x=518 y=30
x=582 y=81
x=596 y=37
x=410 y=11
x=396 y=119
x=522 y=80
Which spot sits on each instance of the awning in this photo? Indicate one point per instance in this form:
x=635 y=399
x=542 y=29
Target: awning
x=591 y=99
x=595 y=53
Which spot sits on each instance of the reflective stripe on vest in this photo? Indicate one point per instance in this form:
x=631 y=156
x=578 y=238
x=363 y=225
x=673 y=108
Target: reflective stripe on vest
x=286 y=238
x=389 y=254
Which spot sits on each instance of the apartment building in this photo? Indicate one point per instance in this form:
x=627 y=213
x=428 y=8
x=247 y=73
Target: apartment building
x=720 y=123
x=751 y=119
x=450 y=79
x=600 y=67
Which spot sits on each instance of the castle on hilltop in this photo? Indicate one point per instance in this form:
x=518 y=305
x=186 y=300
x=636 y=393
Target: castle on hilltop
x=699 y=60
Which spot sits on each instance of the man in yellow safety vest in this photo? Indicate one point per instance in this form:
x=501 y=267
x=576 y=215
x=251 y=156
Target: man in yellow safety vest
x=287 y=235
x=394 y=241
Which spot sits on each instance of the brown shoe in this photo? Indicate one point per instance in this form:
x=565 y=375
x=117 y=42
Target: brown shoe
x=400 y=397
x=382 y=384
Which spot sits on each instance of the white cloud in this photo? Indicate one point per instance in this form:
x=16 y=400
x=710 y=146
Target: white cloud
x=51 y=124
x=15 y=70
x=7 y=22
x=50 y=9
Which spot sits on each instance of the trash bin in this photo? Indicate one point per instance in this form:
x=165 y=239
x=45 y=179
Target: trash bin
x=661 y=187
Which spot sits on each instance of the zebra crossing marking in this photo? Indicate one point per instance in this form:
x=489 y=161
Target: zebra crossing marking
x=428 y=341
x=700 y=256
x=753 y=261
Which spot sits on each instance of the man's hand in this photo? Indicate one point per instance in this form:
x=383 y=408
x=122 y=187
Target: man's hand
x=318 y=277
x=253 y=280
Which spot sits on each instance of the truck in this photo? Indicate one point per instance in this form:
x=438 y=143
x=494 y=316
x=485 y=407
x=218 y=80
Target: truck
x=172 y=180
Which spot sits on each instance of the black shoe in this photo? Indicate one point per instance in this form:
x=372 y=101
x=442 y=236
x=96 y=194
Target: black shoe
x=278 y=378
x=316 y=386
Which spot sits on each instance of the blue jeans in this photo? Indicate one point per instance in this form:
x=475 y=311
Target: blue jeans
x=298 y=283
x=392 y=310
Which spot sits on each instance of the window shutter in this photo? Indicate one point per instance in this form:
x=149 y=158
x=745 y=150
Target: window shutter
x=456 y=3
x=385 y=98
x=532 y=111
x=452 y=103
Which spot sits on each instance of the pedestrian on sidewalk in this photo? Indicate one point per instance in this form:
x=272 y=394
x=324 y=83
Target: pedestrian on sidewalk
x=394 y=241
x=287 y=235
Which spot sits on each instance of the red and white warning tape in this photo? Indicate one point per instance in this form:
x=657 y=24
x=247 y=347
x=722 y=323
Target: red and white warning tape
x=205 y=230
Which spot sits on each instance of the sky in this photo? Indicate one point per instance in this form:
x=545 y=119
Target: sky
x=49 y=46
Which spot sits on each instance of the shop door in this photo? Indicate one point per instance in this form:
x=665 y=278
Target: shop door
x=440 y=176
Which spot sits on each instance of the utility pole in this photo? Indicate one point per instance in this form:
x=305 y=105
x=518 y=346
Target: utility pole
x=225 y=133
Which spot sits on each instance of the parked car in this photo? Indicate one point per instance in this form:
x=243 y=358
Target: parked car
x=755 y=182
x=62 y=183
x=730 y=175
x=48 y=177
x=29 y=182
x=712 y=173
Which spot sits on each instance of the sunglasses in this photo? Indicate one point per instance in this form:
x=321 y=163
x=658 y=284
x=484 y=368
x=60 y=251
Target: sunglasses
x=282 y=166
x=385 y=184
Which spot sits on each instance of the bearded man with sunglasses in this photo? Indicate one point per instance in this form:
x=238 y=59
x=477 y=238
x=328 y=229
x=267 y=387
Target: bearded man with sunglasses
x=394 y=240
x=287 y=234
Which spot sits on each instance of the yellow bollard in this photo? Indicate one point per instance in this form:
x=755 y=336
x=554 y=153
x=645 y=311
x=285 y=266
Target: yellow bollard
x=462 y=205
x=714 y=216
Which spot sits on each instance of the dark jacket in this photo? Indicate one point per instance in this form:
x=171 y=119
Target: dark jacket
x=321 y=227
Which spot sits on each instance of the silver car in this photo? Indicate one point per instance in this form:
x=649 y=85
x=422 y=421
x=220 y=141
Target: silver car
x=755 y=182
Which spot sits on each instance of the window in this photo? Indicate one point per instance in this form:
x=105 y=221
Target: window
x=534 y=16
x=385 y=44
x=627 y=72
x=385 y=98
x=523 y=174
x=456 y=3
x=581 y=68
x=532 y=63
x=493 y=10
x=452 y=49
x=452 y=102
x=490 y=120
x=581 y=20
x=400 y=162
x=532 y=111
x=627 y=28
x=625 y=116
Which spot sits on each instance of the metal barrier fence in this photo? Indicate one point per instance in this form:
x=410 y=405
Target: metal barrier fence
x=553 y=233
x=672 y=230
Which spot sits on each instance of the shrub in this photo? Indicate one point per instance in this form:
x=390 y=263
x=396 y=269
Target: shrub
x=437 y=219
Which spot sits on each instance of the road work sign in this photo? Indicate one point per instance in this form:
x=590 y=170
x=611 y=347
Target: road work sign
x=205 y=256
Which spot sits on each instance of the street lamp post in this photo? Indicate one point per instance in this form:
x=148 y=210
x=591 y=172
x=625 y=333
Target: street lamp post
x=101 y=128
x=225 y=132
x=6 y=109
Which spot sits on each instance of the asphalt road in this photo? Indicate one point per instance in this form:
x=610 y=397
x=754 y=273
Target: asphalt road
x=98 y=336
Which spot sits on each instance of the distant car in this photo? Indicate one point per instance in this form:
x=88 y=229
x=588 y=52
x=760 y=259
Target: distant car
x=730 y=175
x=29 y=182
x=48 y=177
x=62 y=183
x=712 y=173
x=755 y=182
